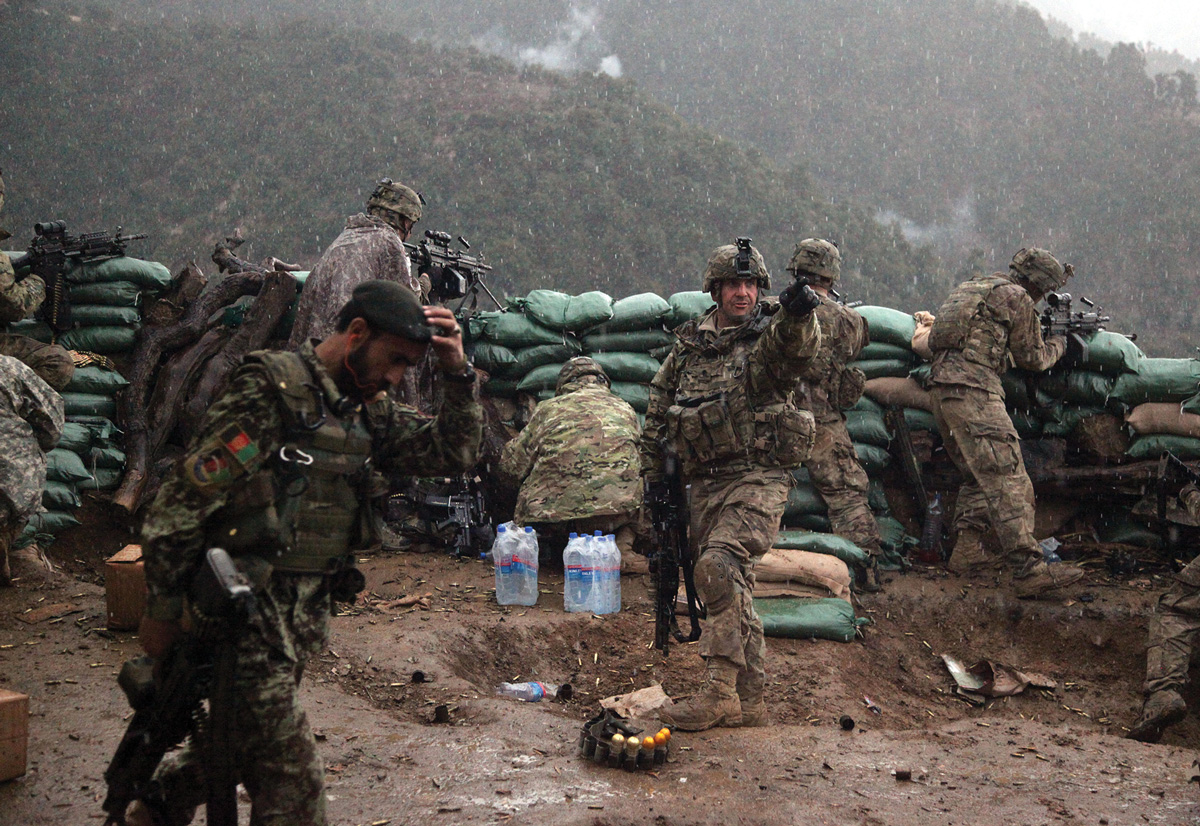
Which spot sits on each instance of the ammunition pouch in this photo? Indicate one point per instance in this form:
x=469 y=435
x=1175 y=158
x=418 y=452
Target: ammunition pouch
x=704 y=430
x=783 y=435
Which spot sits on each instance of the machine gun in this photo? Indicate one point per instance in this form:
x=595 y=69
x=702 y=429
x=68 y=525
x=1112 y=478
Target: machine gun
x=52 y=247
x=1058 y=319
x=452 y=273
x=457 y=509
x=667 y=500
x=168 y=700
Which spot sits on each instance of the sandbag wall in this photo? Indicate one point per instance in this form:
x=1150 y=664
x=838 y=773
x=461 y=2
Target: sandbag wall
x=106 y=301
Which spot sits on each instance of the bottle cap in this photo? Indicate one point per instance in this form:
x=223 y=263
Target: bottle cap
x=501 y=529
x=528 y=529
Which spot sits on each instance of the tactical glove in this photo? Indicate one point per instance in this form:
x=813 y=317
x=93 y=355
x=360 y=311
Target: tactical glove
x=799 y=299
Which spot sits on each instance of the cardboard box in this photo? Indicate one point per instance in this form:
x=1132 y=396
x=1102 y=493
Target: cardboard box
x=125 y=588
x=14 y=734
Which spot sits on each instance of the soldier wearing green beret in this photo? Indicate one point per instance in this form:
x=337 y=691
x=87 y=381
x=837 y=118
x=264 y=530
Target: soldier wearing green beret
x=280 y=475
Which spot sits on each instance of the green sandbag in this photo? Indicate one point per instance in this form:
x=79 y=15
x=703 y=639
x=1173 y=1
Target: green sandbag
x=1066 y=417
x=539 y=378
x=1028 y=425
x=660 y=354
x=32 y=328
x=803 y=500
x=637 y=395
x=111 y=294
x=643 y=311
x=1159 y=380
x=635 y=367
x=1080 y=387
x=688 y=305
x=65 y=466
x=868 y=428
x=496 y=359
x=810 y=522
x=106 y=457
x=97 y=380
x=76 y=438
x=107 y=478
x=881 y=351
x=99 y=315
x=881 y=368
x=514 y=330
x=559 y=311
x=89 y=404
x=102 y=340
x=822 y=543
x=1191 y=405
x=149 y=275
x=894 y=542
x=1112 y=353
x=528 y=358
x=59 y=496
x=51 y=522
x=1154 y=445
x=101 y=426
x=798 y=618
x=636 y=341
x=866 y=404
x=501 y=388
x=920 y=420
x=877 y=499
x=873 y=459
x=889 y=326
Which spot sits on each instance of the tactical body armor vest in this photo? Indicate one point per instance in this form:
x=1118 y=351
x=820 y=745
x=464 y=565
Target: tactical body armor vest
x=966 y=323
x=831 y=383
x=305 y=509
x=715 y=423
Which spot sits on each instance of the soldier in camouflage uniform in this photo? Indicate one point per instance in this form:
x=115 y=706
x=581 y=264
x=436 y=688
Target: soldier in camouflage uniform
x=371 y=247
x=1173 y=627
x=986 y=325
x=279 y=476
x=31 y=422
x=20 y=300
x=724 y=399
x=577 y=460
x=830 y=386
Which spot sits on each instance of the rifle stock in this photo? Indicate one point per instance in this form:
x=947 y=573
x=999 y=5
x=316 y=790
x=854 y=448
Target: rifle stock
x=672 y=556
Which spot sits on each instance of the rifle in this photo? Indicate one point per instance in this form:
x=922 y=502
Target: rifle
x=461 y=509
x=52 y=247
x=168 y=699
x=667 y=500
x=453 y=273
x=1058 y=319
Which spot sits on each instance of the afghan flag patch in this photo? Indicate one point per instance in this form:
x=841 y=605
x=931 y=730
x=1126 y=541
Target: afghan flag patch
x=210 y=468
x=241 y=447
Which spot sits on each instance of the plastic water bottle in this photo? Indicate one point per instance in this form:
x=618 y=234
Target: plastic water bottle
x=929 y=551
x=596 y=562
x=503 y=555
x=1050 y=548
x=527 y=570
x=529 y=692
x=575 y=597
x=614 y=574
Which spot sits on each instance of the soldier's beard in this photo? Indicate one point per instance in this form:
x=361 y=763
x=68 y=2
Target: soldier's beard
x=354 y=366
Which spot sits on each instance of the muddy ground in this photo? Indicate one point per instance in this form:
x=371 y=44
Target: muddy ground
x=1039 y=758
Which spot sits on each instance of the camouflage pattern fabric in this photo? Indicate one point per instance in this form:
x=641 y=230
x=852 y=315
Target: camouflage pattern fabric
x=1175 y=621
x=844 y=333
x=277 y=756
x=735 y=505
x=18 y=299
x=368 y=249
x=1006 y=329
x=53 y=364
x=983 y=444
x=31 y=422
x=577 y=457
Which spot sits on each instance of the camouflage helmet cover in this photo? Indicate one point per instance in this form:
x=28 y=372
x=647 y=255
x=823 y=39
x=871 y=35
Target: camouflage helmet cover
x=577 y=368
x=1039 y=268
x=396 y=198
x=818 y=257
x=722 y=266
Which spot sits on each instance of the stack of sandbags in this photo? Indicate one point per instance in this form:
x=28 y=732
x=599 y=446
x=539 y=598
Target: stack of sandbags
x=1165 y=400
x=890 y=353
x=235 y=313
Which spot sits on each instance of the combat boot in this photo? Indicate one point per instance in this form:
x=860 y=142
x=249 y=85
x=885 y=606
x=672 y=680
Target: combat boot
x=1037 y=578
x=866 y=577
x=716 y=704
x=1163 y=708
x=969 y=557
x=750 y=696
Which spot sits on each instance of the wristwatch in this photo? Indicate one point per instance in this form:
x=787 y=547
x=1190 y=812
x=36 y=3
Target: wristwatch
x=465 y=377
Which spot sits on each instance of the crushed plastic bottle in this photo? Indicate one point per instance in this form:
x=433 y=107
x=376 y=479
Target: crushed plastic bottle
x=531 y=692
x=1050 y=547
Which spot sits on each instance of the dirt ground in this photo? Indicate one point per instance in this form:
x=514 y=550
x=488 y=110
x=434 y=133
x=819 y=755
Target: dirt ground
x=1039 y=758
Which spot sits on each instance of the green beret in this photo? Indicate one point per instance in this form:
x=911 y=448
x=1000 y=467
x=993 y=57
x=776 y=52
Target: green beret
x=390 y=308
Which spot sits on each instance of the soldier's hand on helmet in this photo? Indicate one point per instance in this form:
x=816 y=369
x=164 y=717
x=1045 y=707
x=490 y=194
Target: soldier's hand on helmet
x=447 y=340
x=799 y=299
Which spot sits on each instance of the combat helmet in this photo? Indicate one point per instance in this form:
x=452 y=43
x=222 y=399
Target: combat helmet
x=724 y=265
x=816 y=256
x=577 y=368
x=1040 y=269
x=397 y=198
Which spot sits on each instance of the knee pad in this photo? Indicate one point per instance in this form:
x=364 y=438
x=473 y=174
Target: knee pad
x=715 y=576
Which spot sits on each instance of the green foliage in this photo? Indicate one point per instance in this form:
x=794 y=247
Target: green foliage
x=280 y=131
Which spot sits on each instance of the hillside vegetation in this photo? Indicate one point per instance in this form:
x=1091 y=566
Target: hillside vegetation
x=280 y=131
